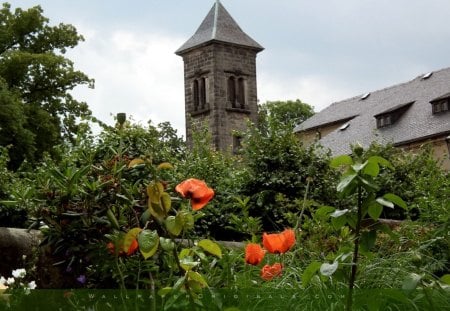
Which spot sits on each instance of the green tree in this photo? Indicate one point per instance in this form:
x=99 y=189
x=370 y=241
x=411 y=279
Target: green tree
x=286 y=112
x=36 y=83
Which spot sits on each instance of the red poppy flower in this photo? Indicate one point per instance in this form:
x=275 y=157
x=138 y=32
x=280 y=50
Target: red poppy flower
x=197 y=191
x=131 y=250
x=268 y=272
x=279 y=242
x=254 y=254
x=133 y=247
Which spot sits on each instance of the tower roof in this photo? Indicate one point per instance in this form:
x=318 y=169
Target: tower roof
x=219 y=26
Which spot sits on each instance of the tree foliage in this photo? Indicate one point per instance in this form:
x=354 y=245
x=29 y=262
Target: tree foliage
x=288 y=112
x=38 y=110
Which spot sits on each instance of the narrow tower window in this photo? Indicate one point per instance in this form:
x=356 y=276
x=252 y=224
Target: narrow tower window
x=232 y=91
x=241 y=93
x=202 y=93
x=196 y=95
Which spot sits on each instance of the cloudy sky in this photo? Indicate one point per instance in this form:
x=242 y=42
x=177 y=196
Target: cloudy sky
x=317 y=51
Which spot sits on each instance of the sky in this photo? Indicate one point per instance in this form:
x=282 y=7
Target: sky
x=317 y=51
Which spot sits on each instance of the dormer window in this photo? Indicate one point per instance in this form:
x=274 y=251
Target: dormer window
x=390 y=116
x=441 y=104
x=384 y=120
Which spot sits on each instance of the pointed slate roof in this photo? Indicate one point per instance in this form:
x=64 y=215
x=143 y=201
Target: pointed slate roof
x=219 y=26
x=418 y=123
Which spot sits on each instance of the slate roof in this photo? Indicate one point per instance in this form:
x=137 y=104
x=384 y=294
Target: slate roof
x=415 y=124
x=219 y=26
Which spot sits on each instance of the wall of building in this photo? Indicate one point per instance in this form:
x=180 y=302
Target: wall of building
x=311 y=136
x=217 y=62
x=440 y=149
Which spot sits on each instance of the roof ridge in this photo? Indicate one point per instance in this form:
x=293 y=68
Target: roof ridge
x=402 y=83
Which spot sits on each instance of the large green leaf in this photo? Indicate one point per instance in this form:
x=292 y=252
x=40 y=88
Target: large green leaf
x=339 y=213
x=445 y=279
x=395 y=199
x=359 y=166
x=166 y=201
x=375 y=210
x=411 y=281
x=154 y=192
x=324 y=212
x=381 y=161
x=372 y=168
x=309 y=272
x=186 y=219
x=195 y=276
x=166 y=244
x=148 y=242
x=341 y=160
x=384 y=202
x=346 y=181
x=210 y=247
x=368 y=239
x=174 y=225
x=338 y=222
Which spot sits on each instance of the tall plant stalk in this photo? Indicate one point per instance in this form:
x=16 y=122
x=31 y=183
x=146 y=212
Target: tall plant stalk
x=354 y=269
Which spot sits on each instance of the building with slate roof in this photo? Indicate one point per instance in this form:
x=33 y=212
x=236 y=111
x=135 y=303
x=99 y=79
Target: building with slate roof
x=407 y=115
x=220 y=78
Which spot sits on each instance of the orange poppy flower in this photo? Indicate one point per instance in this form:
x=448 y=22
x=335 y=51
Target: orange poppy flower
x=197 y=191
x=268 y=272
x=133 y=247
x=254 y=254
x=131 y=250
x=279 y=242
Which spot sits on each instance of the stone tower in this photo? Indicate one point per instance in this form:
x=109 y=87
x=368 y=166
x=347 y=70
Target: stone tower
x=220 y=78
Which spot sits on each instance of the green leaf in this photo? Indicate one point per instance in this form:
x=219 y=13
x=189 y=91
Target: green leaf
x=329 y=269
x=156 y=210
x=173 y=225
x=188 y=263
x=341 y=160
x=130 y=236
x=112 y=219
x=339 y=213
x=385 y=202
x=368 y=185
x=187 y=219
x=375 y=210
x=411 y=281
x=395 y=199
x=359 y=166
x=148 y=243
x=372 y=168
x=368 y=239
x=154 y=192
x=164 y=166
x=195 y=276
x=381 y=161
x=338 y=222
x=345 y=182
x=135 y=162
x=166 y=244
x=309 y=272
x=324 y=212
x=166 y=201
x=210 y=247
x=164 y=291
x=445 y=279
